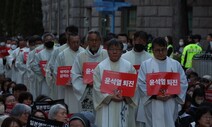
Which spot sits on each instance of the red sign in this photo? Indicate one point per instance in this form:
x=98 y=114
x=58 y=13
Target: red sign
x=118 y=81
x=137 y=67
x=208 y=95
x=63 y=75
x=25 y=56
x=42 y=66
x=163 y=83
x=88 y=68
x=4 y=51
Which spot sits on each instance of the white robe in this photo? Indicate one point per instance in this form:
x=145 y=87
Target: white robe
x=50 y=70
x=44 y=55
x=81 y=89
x=66 y=58
x=14 y=70
x=21 y=66
x=108 y=112
x=158 y=113
x=136 y=58
x=31 y=77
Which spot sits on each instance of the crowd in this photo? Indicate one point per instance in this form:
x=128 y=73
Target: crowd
x=103 y=82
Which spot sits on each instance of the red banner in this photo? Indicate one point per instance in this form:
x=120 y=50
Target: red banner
x=137 y=67
x=118 y=81
x=42 y=66
x=163 y=83
x=208 y=95
x=4 y=51
x=63 y=75
x=88 y=68
x=25 y=56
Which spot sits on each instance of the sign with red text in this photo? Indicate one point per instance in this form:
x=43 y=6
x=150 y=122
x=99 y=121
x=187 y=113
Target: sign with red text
x=63 y=75
x=4 y=51
x=42 y=67
x=25 y=56
x=88 y=68
x=137 y=67
x=118 y=81
x=208 y=95
x=163 y=83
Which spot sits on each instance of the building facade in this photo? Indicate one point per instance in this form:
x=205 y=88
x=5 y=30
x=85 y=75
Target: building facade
x=157 y=17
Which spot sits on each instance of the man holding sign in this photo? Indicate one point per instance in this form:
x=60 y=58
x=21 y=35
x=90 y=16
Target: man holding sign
x=94 y=53
x=66 y=59
x=114 y=89
x=162 y=84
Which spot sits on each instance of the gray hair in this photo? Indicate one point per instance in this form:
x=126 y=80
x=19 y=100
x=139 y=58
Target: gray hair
x=48 y=34
x=93 y=31
x=19 y=109
x=54 y=110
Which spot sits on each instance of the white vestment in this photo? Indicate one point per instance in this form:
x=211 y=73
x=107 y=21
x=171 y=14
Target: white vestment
x=21 y=66
x=66 y=58
x=136 y=58
x=42 y=86
x=12 y=64
x=50 y=70
x=81 y=90
x=156 y=113
x=108 y=112
x=31 y=76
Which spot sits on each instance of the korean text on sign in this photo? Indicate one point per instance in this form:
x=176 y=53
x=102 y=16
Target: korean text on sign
x=88 y=68
x=163 y=83
x=113 y=81
x=63 y=75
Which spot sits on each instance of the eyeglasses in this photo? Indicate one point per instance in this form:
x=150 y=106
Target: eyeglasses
x=160 y=50
x=207 y=117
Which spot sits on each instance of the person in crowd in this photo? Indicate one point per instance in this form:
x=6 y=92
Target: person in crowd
x=193 y=78
x=203 y=117
x=197 y=38
x=43 y=97
x=5 y=85
x=209 y=40
x=181 y=46
x=25 y=98
x=137 y=55
x=93 y=53
x=8 y=66
x=31 y=77
x=11 y=122
x=124 y=39
x=9 y=102
x=170 y=48
x=40 y=114
x=167 y=105
x=22 y=47
x=55 y=92
x=18 y=89
x=198 y=98
x=11 y=87
x=2 y=110
x=58 y=112
x=90 y=116
x=40 y=61
x=21 y=112
x=189 y=52
x=79 y=120
x=112 y=105
x=184 y=118
x=64 y=59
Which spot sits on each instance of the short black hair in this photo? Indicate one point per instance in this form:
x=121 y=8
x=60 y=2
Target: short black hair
x=20 y=87
x=159 y=41
x=24 y=96
x=140 y=34
x=116 y=43
x=72 y=29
